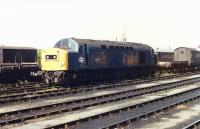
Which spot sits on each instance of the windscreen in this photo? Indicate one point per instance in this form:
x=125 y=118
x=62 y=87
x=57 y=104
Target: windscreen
x=69 y=44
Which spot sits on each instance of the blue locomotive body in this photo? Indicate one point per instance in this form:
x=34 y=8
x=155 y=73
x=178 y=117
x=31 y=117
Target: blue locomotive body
x=96 y=59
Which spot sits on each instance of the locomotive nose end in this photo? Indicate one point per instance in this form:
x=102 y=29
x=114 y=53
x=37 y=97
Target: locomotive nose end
x=54 y=59
x=54 y=62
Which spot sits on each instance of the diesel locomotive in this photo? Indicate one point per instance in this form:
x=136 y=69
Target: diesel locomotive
x=74 y=60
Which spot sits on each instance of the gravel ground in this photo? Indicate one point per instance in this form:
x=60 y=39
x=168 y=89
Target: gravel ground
x=103 y=121
x=175 y=118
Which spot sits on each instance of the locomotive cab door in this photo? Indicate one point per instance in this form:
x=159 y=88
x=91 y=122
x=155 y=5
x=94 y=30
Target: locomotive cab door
x=86 y=53
x=18 y=57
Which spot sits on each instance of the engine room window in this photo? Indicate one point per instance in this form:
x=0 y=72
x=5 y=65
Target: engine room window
x=121 y=47
x=111 y=47
x=116 y=47
x=182 y=52
x=103 y=46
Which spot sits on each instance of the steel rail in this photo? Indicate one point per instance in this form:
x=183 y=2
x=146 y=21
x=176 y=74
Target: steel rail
x=194 y=125
x=178 y=98
x=52 y=109
x=57 y=92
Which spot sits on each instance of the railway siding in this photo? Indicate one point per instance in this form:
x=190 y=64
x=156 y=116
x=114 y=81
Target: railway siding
x=28 y=114
x=130 y=118
x=58 y=91
x=18 y=107
x=193 y=125
x=94 y=111
x=177 y=117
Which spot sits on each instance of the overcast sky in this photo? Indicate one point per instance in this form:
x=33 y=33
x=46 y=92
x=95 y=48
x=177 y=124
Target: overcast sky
x=159 y=23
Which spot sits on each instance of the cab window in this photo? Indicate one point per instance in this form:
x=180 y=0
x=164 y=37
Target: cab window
x=69 y=44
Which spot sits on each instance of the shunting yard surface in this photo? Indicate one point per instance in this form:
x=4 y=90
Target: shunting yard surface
x=101 y=109
x=46 y=92
x=16 y=107
x=179 y=117
x=88 y=112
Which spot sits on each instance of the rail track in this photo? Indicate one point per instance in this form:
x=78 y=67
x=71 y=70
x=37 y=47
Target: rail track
x=111 y=84
x=20 y=85
x=22 y=88
x=82 y=102
x=45 y=92
x=16 y=88
x=194 y=125
x=120 y=116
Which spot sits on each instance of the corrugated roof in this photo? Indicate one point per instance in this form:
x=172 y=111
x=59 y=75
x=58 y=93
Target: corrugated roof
x=192 y=49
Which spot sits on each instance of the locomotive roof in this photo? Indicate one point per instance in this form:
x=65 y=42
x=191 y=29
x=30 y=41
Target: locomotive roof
x=107 y=42
x=164 y=50
x=18 y=48
x=72 y=44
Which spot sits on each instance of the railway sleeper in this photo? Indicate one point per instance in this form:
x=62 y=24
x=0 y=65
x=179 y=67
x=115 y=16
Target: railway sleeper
x=146 y=114
x=79 y=107
x=49 y=95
